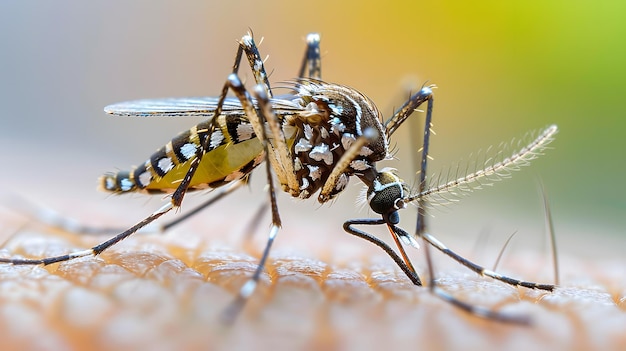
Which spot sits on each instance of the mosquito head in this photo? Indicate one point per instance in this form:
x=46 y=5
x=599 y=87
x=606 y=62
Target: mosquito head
x=386 y=195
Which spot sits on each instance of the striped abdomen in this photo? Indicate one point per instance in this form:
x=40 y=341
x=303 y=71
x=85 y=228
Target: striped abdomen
x=233 y=152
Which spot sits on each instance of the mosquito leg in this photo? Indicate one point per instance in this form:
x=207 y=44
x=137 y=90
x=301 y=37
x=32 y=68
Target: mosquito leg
x=471 y=309
x=425 y=94
x=96 y=250
x=256 y=63
x=420 y=231
x=421 y=210
x=264 y=113
x=312 y=61
x=481 y=270
x=412 y=275
x=480 y=311
x=408 y=270
x=421 y=225
x=284 y=168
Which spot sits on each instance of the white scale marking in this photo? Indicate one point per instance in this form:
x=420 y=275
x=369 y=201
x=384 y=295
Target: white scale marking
x=491 y=274
x=365 y=151
x=321 y=152
x=438 y=244
x=216 y=139
x=188 y=150
x=324 y=133
x=311 y=108
x=83 y=253
x=165 y=164
x=408 y=240
x=347 y=140
x=359 y=165
x=126 y=184
x=244 y=131
x=302 y=145
x=336 y=126
x=357 y=116
x=336 y=109
x=308 y=131
x=314 y=172
x=305 y=184
x=297 y=164
x=145 y=178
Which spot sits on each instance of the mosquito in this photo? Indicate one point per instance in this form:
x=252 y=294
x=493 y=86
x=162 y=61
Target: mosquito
x=312 y=139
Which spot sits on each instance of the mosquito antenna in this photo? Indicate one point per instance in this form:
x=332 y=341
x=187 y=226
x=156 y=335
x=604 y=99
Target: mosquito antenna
x=494 y=171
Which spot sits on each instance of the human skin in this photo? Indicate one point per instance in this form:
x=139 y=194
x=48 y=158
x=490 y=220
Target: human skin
x=168 y=291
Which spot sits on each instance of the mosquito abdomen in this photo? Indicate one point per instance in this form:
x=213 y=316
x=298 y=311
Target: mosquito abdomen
x=232 y=153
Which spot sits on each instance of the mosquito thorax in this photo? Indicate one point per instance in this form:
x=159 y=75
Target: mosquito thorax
x=332 y=118
x=386 y=192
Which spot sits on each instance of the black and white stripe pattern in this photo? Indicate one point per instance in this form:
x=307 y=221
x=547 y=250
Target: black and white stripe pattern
x=179 y=151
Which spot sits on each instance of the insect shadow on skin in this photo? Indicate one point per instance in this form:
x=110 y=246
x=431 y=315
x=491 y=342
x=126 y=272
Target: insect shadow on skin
x=312 y=140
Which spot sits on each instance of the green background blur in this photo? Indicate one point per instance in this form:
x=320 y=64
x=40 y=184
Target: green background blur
x=502 y=69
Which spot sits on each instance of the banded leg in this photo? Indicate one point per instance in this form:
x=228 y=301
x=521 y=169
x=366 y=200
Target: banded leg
x=312 y=61
x=394 y=122
x=260 y=117
x=96 y=250
x=481 y=270
x=283 y=167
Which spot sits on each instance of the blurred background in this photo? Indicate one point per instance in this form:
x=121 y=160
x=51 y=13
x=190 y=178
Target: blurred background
x=502 y=69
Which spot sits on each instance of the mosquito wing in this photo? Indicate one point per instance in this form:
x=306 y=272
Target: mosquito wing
x=194 y=107
x=169 y=107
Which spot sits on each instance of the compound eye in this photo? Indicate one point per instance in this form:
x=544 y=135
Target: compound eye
x=384 y=200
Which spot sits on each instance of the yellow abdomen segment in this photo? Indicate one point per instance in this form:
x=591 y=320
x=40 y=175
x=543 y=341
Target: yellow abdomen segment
x=219 y=166
x=232 y=152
